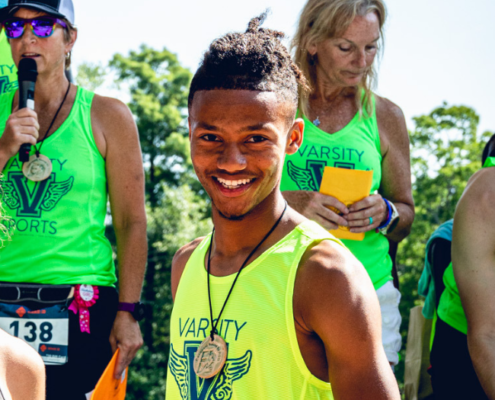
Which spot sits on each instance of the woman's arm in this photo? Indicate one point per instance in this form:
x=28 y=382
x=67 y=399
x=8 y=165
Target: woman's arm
x=117 y=138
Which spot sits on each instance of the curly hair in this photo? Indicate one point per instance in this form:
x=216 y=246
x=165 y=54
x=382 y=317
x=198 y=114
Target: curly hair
x=254 y=60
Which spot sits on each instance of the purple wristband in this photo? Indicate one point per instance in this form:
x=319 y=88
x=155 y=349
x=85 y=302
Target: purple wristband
x=389 y=217
x=129 y=307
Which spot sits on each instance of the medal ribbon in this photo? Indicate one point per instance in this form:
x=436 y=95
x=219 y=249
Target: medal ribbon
x=37 y=150
x=214 y=327
x=81 y=306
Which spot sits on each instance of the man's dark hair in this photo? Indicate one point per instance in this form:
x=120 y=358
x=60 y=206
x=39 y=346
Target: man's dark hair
x=489 y=150
x=255 y=60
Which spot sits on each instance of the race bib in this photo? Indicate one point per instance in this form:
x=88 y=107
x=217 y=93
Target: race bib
x=45 y=330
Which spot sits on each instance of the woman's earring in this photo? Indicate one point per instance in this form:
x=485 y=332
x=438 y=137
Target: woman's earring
x=312 y=59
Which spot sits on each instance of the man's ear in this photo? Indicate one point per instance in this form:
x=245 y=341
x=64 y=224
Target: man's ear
x=189 y=125
x=295 y=136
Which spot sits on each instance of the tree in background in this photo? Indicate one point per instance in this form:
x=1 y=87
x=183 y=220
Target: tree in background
x=445 y=151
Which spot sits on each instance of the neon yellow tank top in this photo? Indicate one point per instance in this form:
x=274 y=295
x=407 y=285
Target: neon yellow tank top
x=264 y=360
x=60 y=222
x=8 y=70
x=450 y=307
x=356 y=146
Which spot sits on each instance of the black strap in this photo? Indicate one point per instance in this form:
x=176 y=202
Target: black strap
x=214 y=327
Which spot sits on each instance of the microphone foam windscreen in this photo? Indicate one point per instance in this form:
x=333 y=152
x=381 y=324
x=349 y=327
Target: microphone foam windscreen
x=28 y=70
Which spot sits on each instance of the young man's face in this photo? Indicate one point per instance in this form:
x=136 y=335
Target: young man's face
x=239 y=139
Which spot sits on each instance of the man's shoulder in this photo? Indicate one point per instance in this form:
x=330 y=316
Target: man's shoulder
x=328 y=266
x=480 y=191
x=180 y=260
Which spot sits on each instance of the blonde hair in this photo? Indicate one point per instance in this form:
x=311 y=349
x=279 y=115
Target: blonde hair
x=324 y=19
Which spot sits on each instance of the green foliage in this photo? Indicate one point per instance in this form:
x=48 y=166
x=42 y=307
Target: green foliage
x=90 y=76
x=158 y=87
x=445 y=151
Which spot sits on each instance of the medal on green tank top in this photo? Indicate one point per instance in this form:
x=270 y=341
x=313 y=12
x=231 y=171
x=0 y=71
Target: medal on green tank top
x=212 y=352
x=39 y=167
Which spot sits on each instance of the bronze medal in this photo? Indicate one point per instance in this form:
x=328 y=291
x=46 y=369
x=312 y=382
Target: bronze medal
x=210 y=357
x=38 y=168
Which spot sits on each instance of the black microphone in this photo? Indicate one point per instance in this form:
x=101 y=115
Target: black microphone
x=27 y=74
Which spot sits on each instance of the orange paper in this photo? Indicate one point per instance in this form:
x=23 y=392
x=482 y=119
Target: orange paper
x=348 y=186
x=109 y=388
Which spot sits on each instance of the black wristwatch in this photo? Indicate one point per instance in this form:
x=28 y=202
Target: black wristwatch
x=136 y=309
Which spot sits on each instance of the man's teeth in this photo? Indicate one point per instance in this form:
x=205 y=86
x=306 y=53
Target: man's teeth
x=233 y=184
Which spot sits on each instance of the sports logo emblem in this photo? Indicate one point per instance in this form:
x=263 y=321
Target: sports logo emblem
x=310 y=178
x=44 y=196
x=220 y=387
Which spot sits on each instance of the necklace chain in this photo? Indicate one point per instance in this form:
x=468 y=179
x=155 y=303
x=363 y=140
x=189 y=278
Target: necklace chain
x=53 y=121
x=214 y=327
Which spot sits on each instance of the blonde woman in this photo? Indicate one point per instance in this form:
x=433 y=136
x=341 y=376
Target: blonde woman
x=348 y=126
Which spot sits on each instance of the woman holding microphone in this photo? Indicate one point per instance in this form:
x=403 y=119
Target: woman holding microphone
x=57 y=281
x=348 y=126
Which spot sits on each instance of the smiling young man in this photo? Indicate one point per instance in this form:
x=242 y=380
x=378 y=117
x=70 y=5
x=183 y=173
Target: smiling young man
x=270 y=305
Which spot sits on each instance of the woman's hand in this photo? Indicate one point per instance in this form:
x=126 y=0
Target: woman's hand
x=21 y=127
x=359 y=214
x=314 y=206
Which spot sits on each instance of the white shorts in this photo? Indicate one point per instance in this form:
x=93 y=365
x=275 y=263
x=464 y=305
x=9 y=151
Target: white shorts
x=389 y=298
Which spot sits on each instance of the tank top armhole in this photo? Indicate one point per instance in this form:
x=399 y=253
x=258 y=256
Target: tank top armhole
x=87 y=98
x=196 y=258
x=290 y=321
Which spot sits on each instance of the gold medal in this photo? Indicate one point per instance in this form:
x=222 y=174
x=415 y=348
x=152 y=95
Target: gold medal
x=38 y=168
x=210 y=357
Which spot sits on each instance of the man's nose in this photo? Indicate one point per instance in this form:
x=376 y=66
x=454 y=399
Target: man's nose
x=232 y=158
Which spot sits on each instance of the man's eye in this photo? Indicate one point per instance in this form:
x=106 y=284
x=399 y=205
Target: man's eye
x=256 y=139
x=209 y=137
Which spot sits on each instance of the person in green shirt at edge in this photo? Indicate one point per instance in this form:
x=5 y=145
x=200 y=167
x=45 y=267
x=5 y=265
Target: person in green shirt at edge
x=57 y=275
x=348 y=126
x=302 y=319
x=8 y=70
x=463 y=352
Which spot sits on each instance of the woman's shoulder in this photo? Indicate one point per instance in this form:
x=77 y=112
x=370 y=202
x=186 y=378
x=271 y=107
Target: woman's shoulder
x=391 y=121
x=387 y=108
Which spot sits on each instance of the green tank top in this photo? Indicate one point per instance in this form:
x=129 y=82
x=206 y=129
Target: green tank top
x=356 y=146
x=450 y=307
x=8 y=70
x=59 y=222
x=264 y=360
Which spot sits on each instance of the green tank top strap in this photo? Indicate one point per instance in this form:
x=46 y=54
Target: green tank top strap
x=356 y=146
x=450 y=308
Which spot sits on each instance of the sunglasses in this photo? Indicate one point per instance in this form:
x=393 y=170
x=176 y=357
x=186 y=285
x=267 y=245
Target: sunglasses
x=42 y=27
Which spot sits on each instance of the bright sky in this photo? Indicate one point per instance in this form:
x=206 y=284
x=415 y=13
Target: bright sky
x=435 y=50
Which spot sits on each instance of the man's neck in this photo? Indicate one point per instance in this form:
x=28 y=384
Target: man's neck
x=236 y=236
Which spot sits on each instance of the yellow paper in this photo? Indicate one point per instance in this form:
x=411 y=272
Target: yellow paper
x=109 y=388
x=348 y=186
